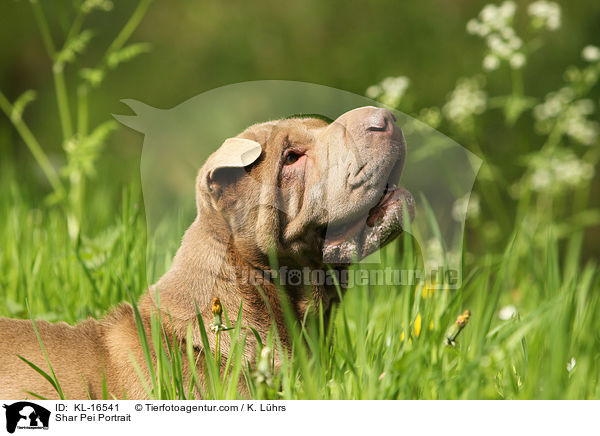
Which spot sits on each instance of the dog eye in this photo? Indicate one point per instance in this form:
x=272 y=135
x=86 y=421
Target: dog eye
x=291 y=157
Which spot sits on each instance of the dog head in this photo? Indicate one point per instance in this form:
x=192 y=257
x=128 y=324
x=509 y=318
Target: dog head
x=309 y=191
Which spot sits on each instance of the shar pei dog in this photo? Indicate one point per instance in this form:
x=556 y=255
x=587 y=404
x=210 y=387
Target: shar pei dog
x=313 y=194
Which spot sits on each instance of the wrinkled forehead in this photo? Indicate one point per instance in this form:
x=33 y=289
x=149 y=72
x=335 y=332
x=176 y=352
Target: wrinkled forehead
x=273 y=134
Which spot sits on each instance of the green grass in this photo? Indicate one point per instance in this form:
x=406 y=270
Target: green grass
x=367 y=351
x=525 y=249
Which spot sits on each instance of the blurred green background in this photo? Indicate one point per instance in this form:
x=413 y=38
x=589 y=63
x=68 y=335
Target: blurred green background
x=197 y=46
x=517 y=83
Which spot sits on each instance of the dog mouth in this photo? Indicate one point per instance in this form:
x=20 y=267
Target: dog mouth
x=384 y=222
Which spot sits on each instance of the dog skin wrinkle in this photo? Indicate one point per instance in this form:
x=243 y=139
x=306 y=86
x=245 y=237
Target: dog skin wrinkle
x=231 y=236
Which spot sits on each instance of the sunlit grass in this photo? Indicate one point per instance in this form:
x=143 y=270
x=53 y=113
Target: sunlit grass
x=383 y=341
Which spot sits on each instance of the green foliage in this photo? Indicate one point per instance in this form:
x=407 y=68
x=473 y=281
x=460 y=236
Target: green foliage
x=82 y=154
x=81 y=147
x=126 y=54
x=528 y=282
x=72 y=49
x=555 y=138
x=374 y=346
x=20 y=104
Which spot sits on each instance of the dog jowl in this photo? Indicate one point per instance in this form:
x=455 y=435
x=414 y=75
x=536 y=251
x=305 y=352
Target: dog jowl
x=315 y=195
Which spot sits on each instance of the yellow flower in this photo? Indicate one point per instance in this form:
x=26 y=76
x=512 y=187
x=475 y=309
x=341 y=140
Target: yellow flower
x=428 y=291
x=463 y=319
x=217 y=309
x=418 y=325
x=416 y=328
x=457 y=327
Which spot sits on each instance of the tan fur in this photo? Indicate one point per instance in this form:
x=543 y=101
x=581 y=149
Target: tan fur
x=248 y=204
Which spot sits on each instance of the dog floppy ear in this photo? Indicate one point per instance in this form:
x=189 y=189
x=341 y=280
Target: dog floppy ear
x=234 y=153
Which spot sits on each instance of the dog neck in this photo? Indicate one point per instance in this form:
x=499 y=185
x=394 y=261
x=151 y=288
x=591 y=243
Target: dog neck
x=208 y=265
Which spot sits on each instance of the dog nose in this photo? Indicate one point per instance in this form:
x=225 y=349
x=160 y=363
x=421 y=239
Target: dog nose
x=380 y=120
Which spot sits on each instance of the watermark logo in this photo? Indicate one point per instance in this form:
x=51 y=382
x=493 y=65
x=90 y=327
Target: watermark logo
x=348 y=278
x=425 y=194
x=26 y=416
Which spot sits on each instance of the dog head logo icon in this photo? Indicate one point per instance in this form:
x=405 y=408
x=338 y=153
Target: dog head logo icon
x=26 y=415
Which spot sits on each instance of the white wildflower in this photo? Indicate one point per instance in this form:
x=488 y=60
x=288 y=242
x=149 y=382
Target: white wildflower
x=573 y=172
x=583 y=131
x=460 y=207
x=554 y=104
x=507 y=9
x=466 y=100
x=263 y=374
x=466 y=207
x=90 y=5
x=577 y=125
x=514 y=42
x=571 y=116
x=489 y=13
x=374 y=91
x=474 y=27
x=494 y=23
x=492 y=18
x=508 y=312
x=390 y=91
x=431 y=116
x=394 y=89
x=591 y=53
x=545 y=14
x=559 y=171
x=484 y=29
x=541 y=179
x=571 y=364
x=434 y=255
x=517 y=61
x=499 y=46
x=490 y=62
x=508 y=33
